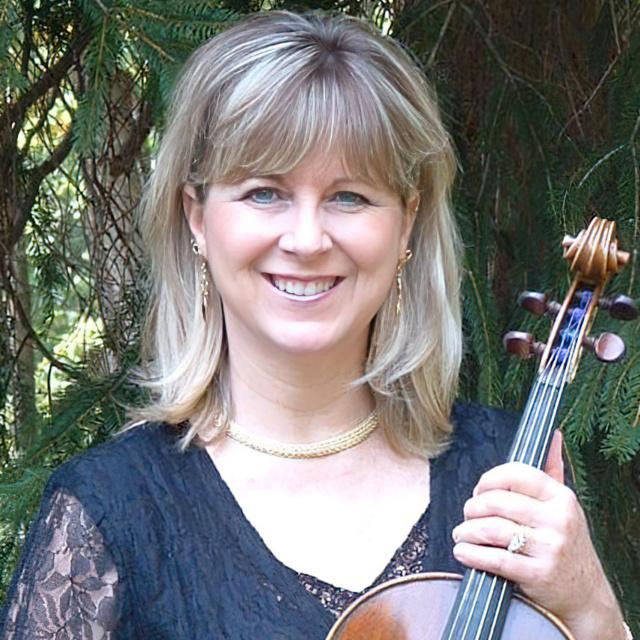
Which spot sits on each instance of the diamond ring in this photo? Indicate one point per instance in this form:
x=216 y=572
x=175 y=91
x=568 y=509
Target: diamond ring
x=518 y=540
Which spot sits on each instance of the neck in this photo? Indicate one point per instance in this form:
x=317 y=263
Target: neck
x=293 y=398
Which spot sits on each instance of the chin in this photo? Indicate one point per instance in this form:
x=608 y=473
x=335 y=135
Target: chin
x=309 y=347
x=312 y=341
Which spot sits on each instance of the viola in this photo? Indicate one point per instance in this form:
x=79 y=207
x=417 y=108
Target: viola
x=480 y=605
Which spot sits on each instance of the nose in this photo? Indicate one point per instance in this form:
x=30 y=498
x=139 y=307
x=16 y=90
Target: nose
x=305 y=234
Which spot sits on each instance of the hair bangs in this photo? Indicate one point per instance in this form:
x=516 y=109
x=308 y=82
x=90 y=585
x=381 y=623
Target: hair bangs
x=327 y=109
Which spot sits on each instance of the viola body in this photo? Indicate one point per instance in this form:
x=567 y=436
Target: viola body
x=417 y=607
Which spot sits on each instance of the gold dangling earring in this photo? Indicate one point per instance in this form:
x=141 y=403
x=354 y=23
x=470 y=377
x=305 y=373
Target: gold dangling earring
x=408 y=254
x=204 y=279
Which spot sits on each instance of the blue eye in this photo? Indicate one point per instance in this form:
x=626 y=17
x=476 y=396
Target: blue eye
x=263 y=196
x=349 y=198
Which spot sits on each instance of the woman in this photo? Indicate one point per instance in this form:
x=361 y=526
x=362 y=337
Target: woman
x=303 y=350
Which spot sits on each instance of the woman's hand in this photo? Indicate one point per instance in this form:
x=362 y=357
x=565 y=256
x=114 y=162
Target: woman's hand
x=558 y=566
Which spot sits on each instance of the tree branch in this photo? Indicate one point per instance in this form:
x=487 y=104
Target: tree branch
x=31 y=332
x=13 y=114
x=37 y=127
x=28 y=37
x=123 y=162
x=35 y=178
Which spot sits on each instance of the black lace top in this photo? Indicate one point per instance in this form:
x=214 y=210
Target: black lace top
x=135 y=540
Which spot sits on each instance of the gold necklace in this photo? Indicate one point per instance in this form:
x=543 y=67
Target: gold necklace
x=336 y=444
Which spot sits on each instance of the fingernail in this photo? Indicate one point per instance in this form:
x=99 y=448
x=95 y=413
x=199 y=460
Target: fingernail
x=455 y=535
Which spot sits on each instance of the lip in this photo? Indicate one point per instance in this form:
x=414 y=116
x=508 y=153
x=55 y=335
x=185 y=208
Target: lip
x=301 y=299
x=299 y=278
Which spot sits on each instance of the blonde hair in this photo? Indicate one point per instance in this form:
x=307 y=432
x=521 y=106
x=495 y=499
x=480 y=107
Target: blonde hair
x=257 y=99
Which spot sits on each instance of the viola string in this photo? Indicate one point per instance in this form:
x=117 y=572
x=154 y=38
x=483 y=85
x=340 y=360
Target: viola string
x=495 y=617
x=558 y=383
x=485 y=613
x=465 y=595
x=536 y=402
x=560 y=375
x=540 y=398
x=575 y=345
x=473 y=604
x=542 y=406
x=475 y=582
x=561 y=372
x=540 y=401
x=533 y=406
x=544 y=377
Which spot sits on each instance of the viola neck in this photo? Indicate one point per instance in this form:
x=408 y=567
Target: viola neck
x=480 y=609
x=533 y=437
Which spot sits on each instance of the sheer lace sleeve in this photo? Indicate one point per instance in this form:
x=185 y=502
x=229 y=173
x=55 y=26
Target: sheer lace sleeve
x=65 y=587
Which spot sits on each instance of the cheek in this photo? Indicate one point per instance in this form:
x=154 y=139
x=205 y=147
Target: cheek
x=233 y=244
x=376 y=253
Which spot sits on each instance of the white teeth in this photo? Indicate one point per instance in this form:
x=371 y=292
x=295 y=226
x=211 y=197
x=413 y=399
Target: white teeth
x=298 y=288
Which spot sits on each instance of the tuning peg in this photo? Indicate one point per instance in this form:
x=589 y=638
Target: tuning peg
x=620 y=307
x=522 y=344
x=607 y=347
x=538 y=303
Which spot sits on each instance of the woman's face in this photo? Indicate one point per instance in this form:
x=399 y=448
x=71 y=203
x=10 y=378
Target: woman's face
x=304 y=260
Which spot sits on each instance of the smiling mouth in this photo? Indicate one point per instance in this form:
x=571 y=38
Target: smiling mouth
x=303 y=288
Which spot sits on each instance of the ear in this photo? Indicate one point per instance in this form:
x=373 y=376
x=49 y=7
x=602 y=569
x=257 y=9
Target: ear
x=409 y=218
x=193 y=211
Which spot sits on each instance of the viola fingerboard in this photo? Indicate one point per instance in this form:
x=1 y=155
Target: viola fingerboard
x=480 y=609
x=533 y=437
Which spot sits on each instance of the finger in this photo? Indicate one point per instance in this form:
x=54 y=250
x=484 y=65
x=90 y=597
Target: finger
x=512 y=506
x=555 y=463
x=497 y=532
x=516 y=567
x=519 y=478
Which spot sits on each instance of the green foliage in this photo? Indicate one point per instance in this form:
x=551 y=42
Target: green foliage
x=17 y=497
x=148 y=39
x=481 y=330
x=9 y=23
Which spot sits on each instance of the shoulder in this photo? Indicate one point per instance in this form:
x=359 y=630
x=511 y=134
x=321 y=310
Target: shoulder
x=125 y=461
x=481 y=434
x=476 y=423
